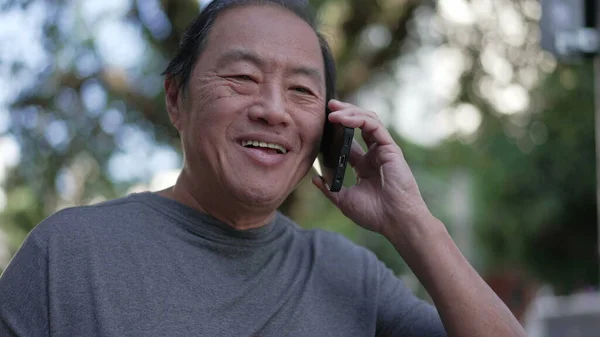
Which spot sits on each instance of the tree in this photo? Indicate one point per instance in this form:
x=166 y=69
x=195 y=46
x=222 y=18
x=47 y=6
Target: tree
x=532 y=156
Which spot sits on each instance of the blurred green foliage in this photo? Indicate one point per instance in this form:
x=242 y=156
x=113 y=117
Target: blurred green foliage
x=538 y=209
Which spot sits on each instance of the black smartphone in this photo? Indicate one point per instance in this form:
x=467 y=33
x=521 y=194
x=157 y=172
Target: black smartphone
x=334 y=152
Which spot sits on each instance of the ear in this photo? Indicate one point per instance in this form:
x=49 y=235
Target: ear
x=174 y=100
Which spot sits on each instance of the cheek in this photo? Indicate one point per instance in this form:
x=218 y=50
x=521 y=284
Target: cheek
x=311 y=126
x=215 y=106
x=207 y=120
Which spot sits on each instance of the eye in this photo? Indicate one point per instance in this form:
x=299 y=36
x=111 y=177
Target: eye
x=302 y=90
x=243 y=78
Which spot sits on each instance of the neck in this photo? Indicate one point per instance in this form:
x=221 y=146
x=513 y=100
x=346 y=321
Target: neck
x=234 y=214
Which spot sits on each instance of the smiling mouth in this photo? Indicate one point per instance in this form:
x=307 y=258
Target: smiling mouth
x=264 y=145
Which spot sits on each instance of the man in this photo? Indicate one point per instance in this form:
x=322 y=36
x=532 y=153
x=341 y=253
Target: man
x=210 y=256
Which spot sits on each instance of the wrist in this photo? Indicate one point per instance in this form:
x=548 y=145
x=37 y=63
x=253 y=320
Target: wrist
x=416 y=235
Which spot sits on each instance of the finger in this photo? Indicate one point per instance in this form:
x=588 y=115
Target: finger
x=342 y=109
x=349 y=110
x=320 y=183
x=368 y=139
x=356 y=153
x=372 y=128
x=336 y=105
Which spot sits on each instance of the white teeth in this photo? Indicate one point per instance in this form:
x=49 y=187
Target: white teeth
x=265 y=145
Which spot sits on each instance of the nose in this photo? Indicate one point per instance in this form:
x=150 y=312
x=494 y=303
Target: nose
x=272 y=107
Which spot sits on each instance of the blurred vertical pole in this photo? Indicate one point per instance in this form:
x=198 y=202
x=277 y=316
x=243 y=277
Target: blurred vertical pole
x=592 y=18
x=597 y=134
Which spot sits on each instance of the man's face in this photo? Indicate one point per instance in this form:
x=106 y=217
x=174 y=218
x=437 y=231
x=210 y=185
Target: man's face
x=255 y=107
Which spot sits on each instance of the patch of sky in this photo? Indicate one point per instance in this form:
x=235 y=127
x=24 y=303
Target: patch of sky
x=153 y=17
x=5 y=122
x=66 y=184
x=132 y=139
x=123 y=167
x=120 y=44
x=111 y=120
x=94 y=11
x=28 y=117
x=20 y=42
x=66 y=99
x=139 y=158
x=164 y=158
x=11 y=151
x=57 y=134
x=94 y=97
x=21 y=50
x=87 y=63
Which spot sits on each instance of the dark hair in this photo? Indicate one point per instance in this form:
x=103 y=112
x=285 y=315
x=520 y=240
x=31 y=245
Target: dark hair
x=194 y=39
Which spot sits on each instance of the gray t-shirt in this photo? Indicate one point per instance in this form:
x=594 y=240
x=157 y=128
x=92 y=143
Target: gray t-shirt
x=145 y=265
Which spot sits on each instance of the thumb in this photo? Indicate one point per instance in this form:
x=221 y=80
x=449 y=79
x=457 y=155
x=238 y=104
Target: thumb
x=320 y=184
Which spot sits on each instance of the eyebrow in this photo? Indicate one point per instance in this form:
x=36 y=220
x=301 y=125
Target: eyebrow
x=239 y=55
x=310 y=72
x=243 y=55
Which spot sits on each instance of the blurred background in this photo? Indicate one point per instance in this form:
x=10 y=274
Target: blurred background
x=499 y=134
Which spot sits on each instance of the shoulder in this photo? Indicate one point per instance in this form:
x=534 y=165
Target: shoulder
x=336 y=252
x=90 y=219
x=334 y=244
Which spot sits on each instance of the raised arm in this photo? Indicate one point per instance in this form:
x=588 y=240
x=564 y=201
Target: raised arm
x=387 y=200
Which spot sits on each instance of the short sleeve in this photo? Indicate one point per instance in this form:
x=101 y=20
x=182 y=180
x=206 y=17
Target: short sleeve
x=401 y=313
x=24 y=292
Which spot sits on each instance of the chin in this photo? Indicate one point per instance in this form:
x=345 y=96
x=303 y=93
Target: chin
x=263 y=191
x=261 y=197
